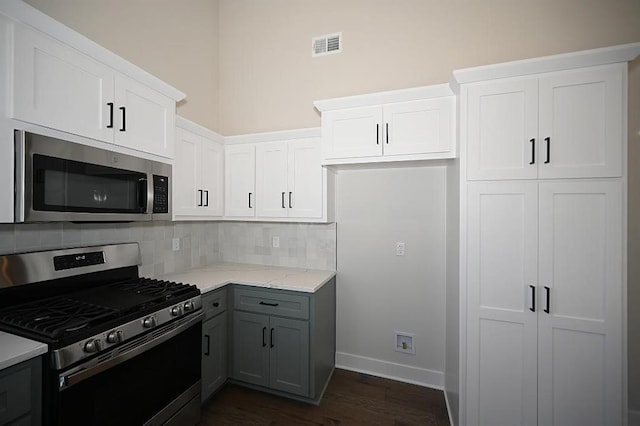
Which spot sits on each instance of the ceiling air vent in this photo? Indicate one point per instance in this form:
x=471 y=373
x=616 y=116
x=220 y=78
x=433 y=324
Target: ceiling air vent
x=326 y=44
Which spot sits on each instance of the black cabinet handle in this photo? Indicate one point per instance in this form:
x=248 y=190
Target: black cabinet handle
x=533 y=151
x=124 y=120
x=387 y=133
x=271 y=337
x=283 y=201
x=268 y=304
x=110 y=125
x=377 y=134
x=215 y=304
x=250 y=201
x=264 y=343
x=206 y=198
x=548 y=141
x=548 y=297
x=290 y=206
x=533 y=298
x=200 y=193
x=206 y=336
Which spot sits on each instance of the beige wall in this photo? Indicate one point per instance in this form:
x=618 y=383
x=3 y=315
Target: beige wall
x=268 y=79
x=176 y=41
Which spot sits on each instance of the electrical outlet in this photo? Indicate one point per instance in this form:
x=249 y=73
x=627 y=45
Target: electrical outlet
x=399 y=248
x=175 y=244
x=276 y=242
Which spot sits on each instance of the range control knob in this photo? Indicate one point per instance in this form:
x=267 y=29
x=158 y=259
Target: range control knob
x=188 y=306
x=114 y=336
x=93 y=345
x=176 y=311
x=149 y=322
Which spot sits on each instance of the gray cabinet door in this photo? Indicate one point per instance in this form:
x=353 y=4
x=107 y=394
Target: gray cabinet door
x=214 y=354
x=251 y=348
x=289 y=355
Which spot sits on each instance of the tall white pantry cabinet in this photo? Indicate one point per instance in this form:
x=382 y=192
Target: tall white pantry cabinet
x=543 y=240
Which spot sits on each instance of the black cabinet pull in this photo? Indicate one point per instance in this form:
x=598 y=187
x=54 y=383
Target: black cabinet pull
x=548 y=141
x=124 y=120
x=377 y=134
x=110 y=125
x=271 y=337
x=548 y=297
x=533 y=151
x=533 y=298
x=268 y=304
x=290 y=206
x=283 y=201
x=264 y=342
x=206 y=336
x=206 y=198
x=216 y=304
x=200 y=193
x=387 y=133
x=250 y=201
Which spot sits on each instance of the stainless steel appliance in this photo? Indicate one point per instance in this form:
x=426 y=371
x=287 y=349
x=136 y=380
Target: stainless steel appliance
x=58 y=180
x=123 y=350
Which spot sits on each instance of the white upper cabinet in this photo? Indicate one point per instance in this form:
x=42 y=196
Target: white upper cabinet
x=197 y=173
x=413 y=124
x=289 y=179
x=60 y=87
x=239 y=182
x=557 y=125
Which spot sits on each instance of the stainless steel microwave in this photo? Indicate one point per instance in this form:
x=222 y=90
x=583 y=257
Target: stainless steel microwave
x=58 y=180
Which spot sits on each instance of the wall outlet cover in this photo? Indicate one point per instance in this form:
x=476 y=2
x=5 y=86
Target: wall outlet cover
x=175 y=244
x=276 y=242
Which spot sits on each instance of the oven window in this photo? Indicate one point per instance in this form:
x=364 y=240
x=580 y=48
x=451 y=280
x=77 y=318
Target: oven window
x=72 y=186
x=132 y=392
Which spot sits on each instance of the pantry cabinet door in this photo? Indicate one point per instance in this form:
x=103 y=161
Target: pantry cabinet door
x=144 y=119
x=580 y=321
x=502 y=305
x=239 y=180
x=352 y=133
x=271 y=180
x=581 y=122
x=502 y=140
x=58 y=87
x=305 y=183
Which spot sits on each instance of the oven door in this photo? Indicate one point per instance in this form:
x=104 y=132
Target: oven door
x=145 y=383
x=59 y=180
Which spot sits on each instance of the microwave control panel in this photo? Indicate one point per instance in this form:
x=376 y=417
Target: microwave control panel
x=160 y=194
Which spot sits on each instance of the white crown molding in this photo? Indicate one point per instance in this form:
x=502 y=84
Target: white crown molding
x=311 y=132
x=198 y=129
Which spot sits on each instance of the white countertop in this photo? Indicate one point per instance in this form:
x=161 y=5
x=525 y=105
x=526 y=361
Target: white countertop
x=217 y=275
x=15 y=349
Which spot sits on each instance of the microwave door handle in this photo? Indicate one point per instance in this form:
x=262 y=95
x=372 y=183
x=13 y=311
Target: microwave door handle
x=20 y=175
x=149 y=193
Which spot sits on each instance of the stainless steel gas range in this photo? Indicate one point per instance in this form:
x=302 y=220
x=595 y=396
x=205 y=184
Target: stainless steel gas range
x=123 y=349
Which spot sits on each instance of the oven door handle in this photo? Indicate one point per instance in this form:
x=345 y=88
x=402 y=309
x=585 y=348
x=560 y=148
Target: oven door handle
x=92 y=367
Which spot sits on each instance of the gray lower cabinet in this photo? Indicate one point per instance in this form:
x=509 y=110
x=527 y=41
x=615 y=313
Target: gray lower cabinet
x=21 y=394
x=284 y=341
x=214 y=342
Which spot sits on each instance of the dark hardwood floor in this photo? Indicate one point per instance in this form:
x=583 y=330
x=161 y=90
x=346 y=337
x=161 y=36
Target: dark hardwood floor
x=351 y=399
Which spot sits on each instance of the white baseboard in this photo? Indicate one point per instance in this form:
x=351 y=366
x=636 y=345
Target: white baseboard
x=446 y=401
x=390 y=370
x=634 y=418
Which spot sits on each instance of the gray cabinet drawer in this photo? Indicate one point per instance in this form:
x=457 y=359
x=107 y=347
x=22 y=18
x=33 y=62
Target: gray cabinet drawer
x=271 y=302
x=15 y=394
x=214 y=302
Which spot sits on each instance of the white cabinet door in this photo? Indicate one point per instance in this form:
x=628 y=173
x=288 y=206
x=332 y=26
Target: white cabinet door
x=352 y=133
x=211 y=175
x=418 y=127
x=503 y=130
x=144 y=118
x=272 y=195
x=580 y=337
x=186 y=196
x=581 y=123
x=306 y=176
x=239 y=183
x=502 y=322
x=58 y=87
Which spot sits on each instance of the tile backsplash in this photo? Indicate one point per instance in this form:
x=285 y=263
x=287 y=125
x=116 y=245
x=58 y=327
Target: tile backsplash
x=301 y=245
